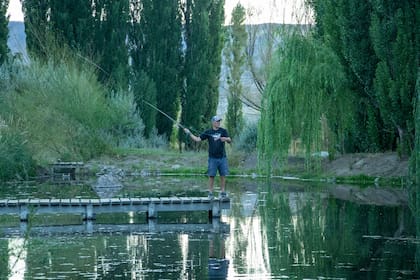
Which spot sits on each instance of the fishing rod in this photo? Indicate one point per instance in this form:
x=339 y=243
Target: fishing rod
x=178 y=124
x=166 y=115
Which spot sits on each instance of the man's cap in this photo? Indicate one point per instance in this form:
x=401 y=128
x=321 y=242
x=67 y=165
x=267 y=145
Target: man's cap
x=216 y=119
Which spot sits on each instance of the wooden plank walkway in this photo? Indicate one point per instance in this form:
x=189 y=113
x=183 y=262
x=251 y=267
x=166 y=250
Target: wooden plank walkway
x=90 y=207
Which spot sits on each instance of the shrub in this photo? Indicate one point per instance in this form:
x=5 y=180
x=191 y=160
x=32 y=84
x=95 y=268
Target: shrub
x=15 y=156
x=127 y=126
x=66 y=113
x=247 y=139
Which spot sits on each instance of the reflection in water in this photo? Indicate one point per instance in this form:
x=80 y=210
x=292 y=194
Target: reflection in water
x=270 y=233
x=313 y=235
x=17 y=258
x=218 y=263
x=183 y=244
x=247 y=246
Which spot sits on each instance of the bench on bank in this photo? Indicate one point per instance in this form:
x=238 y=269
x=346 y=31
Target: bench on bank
x=66 y=171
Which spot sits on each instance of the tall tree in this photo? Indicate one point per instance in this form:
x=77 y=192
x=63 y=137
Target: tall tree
x=394 y=32
x=203 y=47
x=143 y=87
x=110 y=47
x=155 y=44
x=235 y=57
x=376 y=41
x=416 y=163
x=4 y=31
x=72 y=23
x=95 y=29
x=307 y=84
x=37 y=29
x=215 y=47
x=344 y=27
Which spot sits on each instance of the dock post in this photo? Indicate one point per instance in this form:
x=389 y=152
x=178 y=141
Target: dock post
x=23 y=227
x=151 y=211
x=89 y=215
x=215 y=208
x=23 y=213
x=89 y=226
x=216 y=224
x=152 y=225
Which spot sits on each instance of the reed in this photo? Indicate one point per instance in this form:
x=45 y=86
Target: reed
x=64 y=112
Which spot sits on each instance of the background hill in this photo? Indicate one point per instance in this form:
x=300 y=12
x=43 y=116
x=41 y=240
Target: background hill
x=17 y=38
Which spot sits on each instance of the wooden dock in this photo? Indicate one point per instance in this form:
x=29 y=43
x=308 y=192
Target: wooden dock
x=90 y=227
x=88 y=208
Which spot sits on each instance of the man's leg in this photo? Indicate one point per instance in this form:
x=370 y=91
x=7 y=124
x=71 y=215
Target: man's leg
x=211 y=172
x=223 y=171
x=211 y=183
x=222 y=183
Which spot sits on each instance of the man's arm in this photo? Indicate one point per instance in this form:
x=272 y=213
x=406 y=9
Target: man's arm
x=192 y=136
x=226 y=139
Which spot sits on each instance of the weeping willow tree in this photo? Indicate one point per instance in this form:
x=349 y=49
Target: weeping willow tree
x=416 y=166
x=306 y=98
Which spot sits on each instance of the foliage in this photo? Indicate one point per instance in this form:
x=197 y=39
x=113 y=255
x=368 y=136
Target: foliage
x=144 y=91
x=4 y=20
x=64 y=111
x=216 y=16
x=36 y=27
x=73 y=26
x=202 y=61
x=415 y=160
x=235 y=55
x=307 y=89
x=394 y=41
x=15 y=155
x=247 y=140
x=128 y=127
x=155 y=46
x=343 y=26
x=377 y=45
x=155 y=140
x=110 y=33
x=95 y=29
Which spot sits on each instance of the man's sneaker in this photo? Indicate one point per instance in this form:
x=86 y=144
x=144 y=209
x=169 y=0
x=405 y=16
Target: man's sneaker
x=211 y=196
x=222 y=195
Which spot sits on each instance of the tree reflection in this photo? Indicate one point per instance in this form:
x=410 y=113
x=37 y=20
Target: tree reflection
x=311 y=235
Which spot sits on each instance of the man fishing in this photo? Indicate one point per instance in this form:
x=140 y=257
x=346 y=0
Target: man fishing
x=217 y=161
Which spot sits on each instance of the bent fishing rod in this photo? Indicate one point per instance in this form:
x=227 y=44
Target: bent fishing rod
x=178 y=124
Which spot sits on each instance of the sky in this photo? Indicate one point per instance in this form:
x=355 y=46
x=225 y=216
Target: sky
x=260 y=11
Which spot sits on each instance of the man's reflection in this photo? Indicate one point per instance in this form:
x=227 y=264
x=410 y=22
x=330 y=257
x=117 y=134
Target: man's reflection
x=218 y=264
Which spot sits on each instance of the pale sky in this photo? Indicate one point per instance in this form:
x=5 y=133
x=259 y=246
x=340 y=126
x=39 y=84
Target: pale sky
x=15 y=10
x=263 y=11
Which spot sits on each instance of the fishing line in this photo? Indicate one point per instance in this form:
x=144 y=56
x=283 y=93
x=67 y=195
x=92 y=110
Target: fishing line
x=163 y=113
x=93 y=63
x=178 y=124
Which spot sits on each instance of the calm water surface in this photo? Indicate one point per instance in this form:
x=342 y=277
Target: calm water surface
x=277 y=231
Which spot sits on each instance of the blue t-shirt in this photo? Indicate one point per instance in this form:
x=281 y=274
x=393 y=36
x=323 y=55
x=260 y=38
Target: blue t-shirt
x=216 y=146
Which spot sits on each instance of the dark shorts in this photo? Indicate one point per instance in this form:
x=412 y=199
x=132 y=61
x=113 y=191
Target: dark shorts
x=217 y=164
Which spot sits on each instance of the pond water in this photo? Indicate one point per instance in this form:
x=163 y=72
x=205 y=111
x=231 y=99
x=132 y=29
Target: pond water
x=272 y=231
